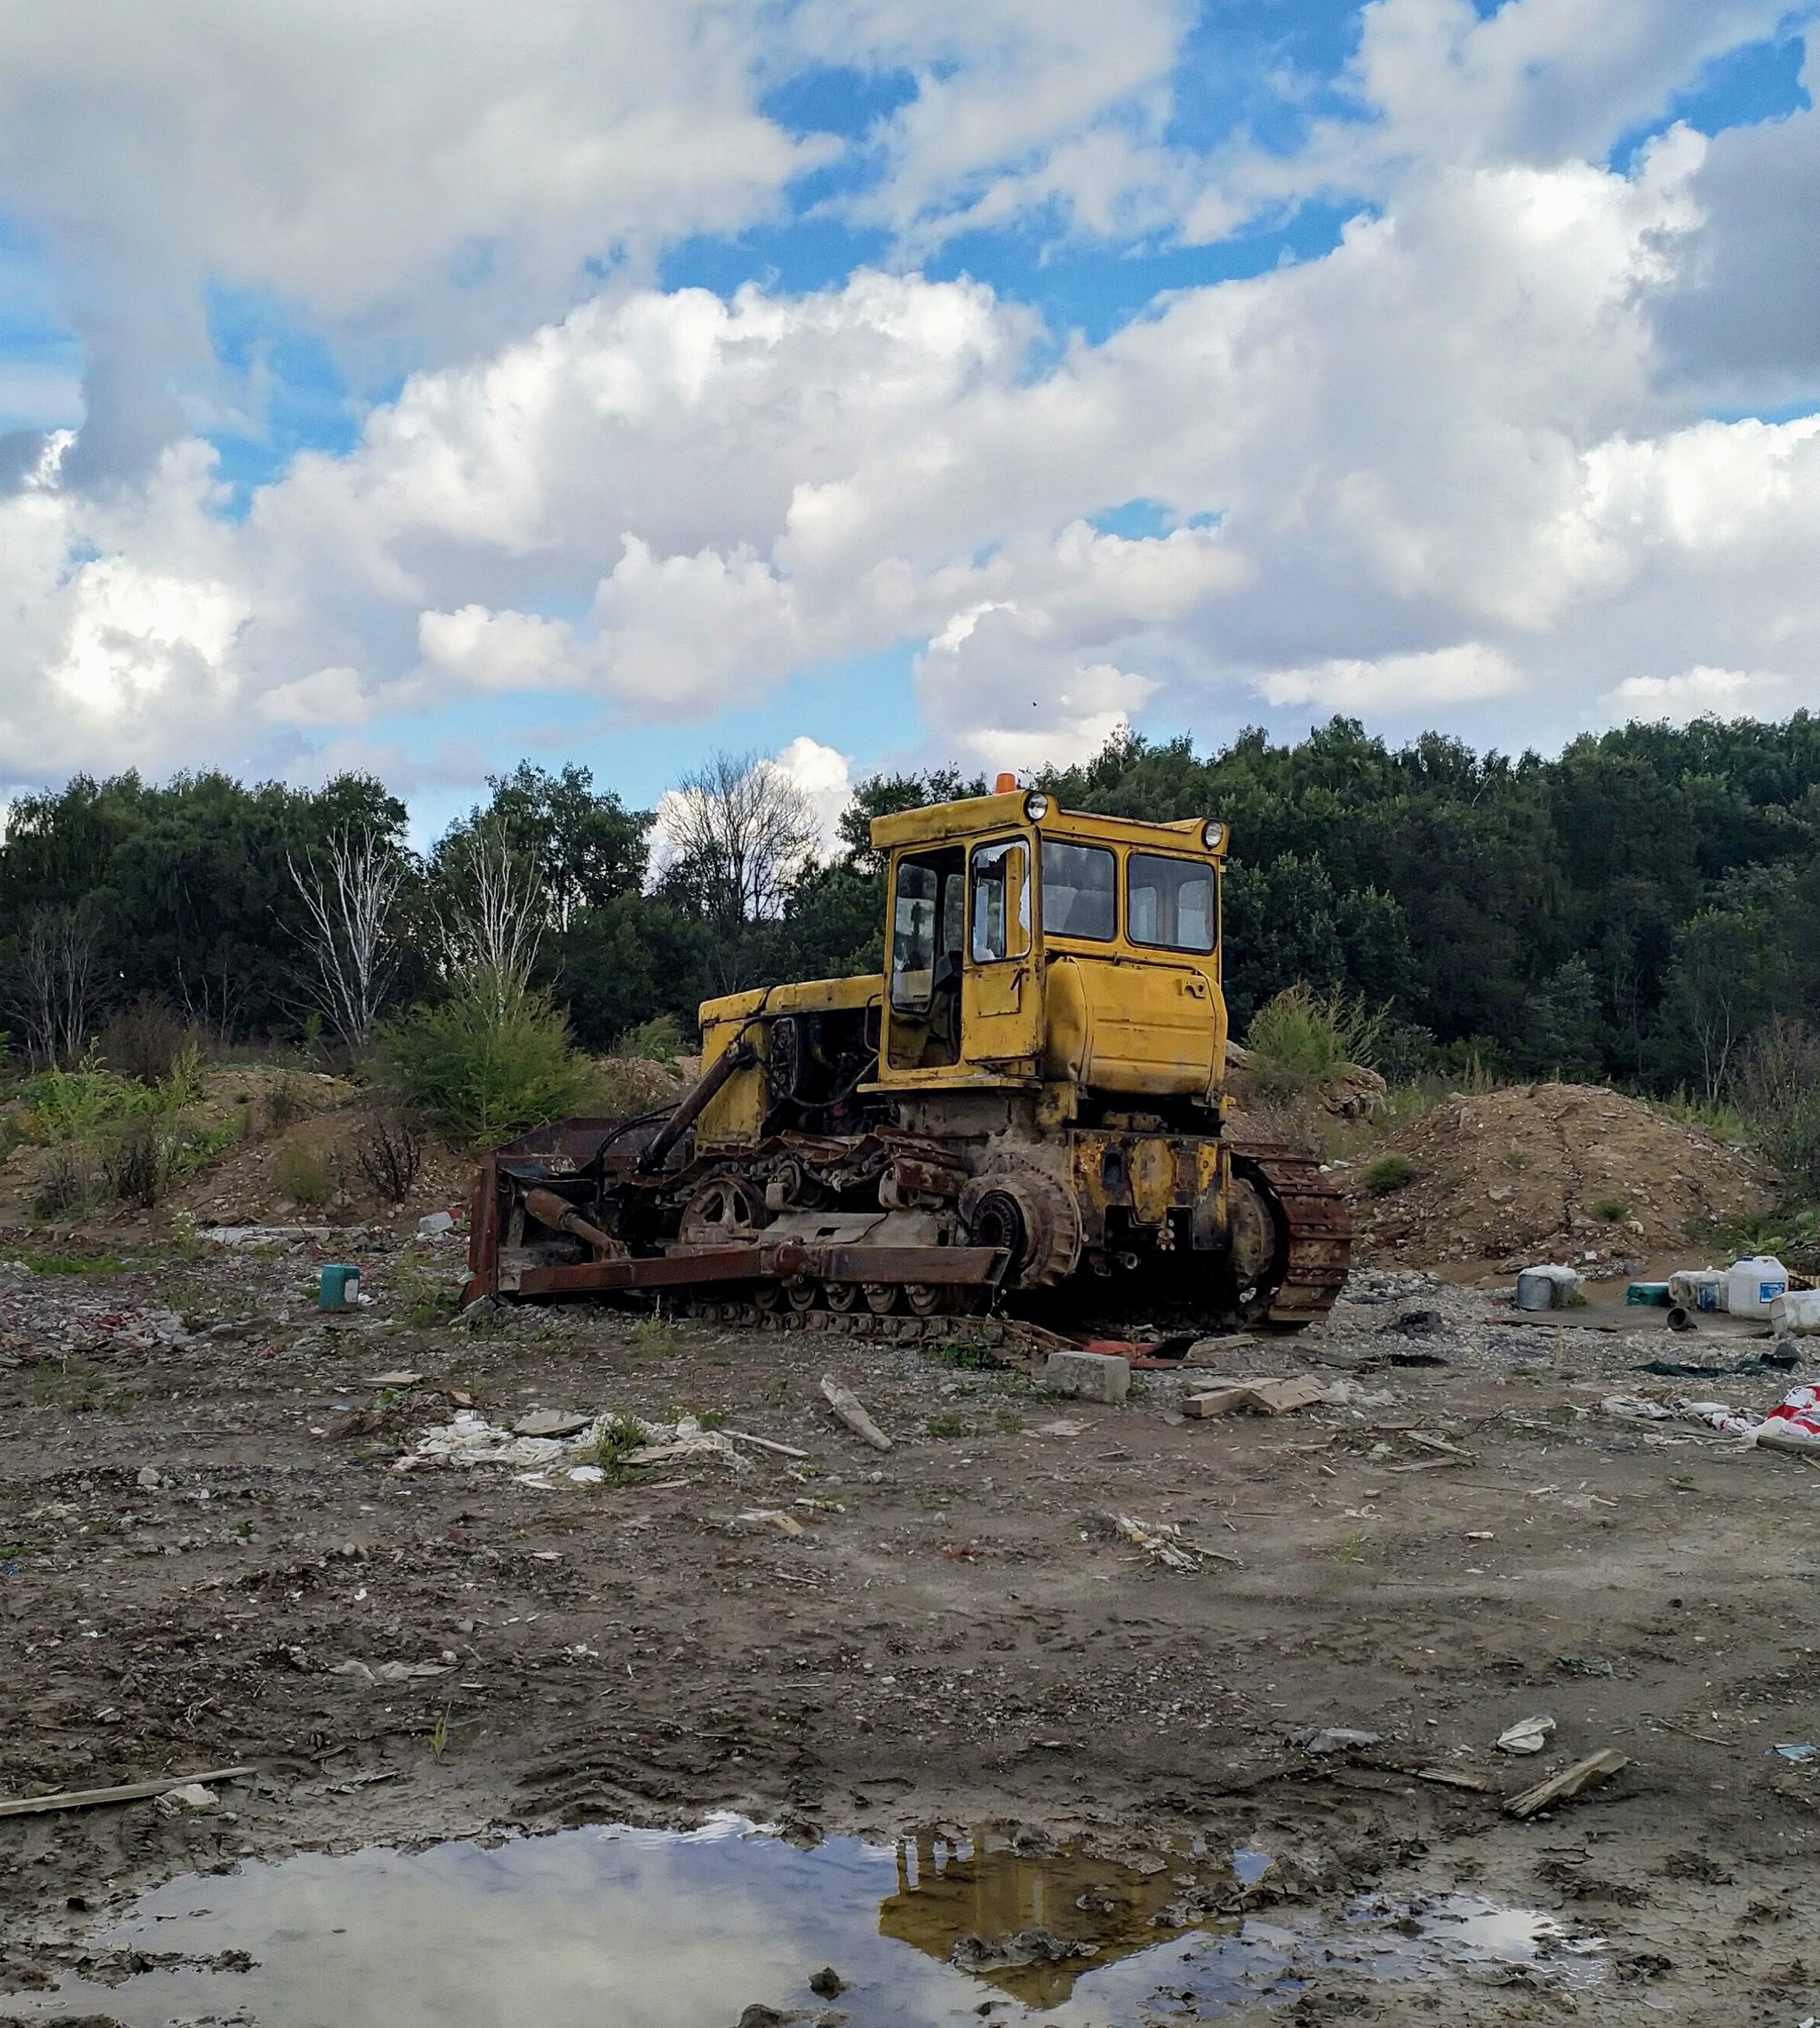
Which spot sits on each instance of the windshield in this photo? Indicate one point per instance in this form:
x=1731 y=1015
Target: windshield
x=1079 y=886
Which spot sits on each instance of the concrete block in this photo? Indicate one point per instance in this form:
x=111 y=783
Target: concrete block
x=1088 y=1376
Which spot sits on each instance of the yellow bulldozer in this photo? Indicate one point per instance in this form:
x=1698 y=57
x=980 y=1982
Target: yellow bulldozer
x=1024 y=1114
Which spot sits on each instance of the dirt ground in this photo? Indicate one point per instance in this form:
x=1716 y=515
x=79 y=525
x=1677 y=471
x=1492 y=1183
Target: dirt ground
x=1574 y=1173
x=208 y=1558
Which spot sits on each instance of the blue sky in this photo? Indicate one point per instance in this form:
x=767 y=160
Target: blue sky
x=392 y=438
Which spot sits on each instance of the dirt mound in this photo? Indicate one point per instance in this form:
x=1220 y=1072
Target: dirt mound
x=1570 y=1172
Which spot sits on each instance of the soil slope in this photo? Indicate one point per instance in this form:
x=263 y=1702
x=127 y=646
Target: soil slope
x=1574 y=1172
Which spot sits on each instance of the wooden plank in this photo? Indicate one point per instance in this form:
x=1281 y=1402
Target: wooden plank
x=127 y=1792
x=1595 y=1768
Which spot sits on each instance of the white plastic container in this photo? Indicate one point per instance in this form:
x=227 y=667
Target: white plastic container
x=1697 y=1288
x=1545 y=1287
x=1754 y=1283
x=1797 y=1313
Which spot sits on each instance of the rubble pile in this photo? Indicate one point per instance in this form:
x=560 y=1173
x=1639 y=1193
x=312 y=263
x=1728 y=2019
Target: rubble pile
x=58 y=1316
x=1571 y=1172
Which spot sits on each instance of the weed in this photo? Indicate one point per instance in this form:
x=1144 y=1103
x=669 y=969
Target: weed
x=287 y=1101
x=65 y=1181
x=1683 y=1481
x=72 y=1263
x=389 y=1155
x=302 y=1173
x=1515 y=1158
x=947 y=1425
x=619 y=1437
x=776 y=1396
x=1610 y=1210
x=439 y=1733
x=1351 y=1547
x=1386 y=1172
x=1009 y=1421
x=965 y=1353
x=654 y=1337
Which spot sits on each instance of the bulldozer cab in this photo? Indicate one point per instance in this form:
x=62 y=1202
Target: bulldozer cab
x=1028 y=945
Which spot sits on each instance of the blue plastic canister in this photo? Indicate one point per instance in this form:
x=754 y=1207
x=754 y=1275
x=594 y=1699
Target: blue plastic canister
x=338 y=1287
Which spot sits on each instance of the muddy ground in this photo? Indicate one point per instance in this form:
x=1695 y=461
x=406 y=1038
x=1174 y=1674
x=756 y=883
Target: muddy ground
x=201 y=1528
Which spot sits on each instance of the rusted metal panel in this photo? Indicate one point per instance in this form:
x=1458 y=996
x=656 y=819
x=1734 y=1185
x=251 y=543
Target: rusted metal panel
x=967 y=1267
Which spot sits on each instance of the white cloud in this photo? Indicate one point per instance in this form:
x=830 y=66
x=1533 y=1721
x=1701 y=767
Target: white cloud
x=1702 y=692
x=1397 y=686
x=1447 y=469
x=825 y=775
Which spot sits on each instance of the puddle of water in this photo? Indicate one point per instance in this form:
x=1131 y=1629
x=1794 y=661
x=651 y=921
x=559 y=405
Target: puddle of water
x=665 y=1930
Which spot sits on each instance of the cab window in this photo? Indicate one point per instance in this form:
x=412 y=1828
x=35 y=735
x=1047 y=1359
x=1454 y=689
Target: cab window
x=1170 y=903
x=1001 y=901
x=925 y=926
x=1078 y=884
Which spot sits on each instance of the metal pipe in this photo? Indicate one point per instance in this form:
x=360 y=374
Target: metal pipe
x=693 y=1103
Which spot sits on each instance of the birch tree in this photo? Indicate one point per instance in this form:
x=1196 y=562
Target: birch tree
x=350 y=899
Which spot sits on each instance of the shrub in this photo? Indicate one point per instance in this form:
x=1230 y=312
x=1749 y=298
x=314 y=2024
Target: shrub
x=1386 y=1172
x=303 y=1174
x=1300 y=1041
x=135 y=1166
x=659 y=1040
x=1777 y=1090
x=488 y=1064
x=1610 y=1210
x=389 y=1155
x=146 y=1040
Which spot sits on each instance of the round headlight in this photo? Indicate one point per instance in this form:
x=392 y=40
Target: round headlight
x=1213 y=836
x=1036 y=806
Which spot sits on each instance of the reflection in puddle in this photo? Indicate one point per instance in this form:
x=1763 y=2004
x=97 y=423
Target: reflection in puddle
x=665 y=1930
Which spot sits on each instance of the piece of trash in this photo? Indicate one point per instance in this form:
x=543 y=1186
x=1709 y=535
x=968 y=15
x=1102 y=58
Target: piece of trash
x=1794 y=1422
x=1454 y=1779
x=1527 y=1736
x=1087 y=1376
x=337 y=1287
x=434 y=1223
x=471 y=1440
x=1424 y=1441
x=848 y=1408
x=767 y=1443
x=550 y=1422
x=1547 y=1288
x=1776 y=1362
x=1257 y=1397
x=1715 y=1415
x=390 y=1672
x=1061 y=1426
x=1331 y=1739
x=404 y=1377
x=1583 y=1665
x=785 y=1524
x=124 y=1792
x=1168 y=1544
x=1595 y=1768
x=1481 y=1535
x=187 y=1795
x=1799 y=1755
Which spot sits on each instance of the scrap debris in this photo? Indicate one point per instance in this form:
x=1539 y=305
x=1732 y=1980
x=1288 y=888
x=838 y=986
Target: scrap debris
x=848 y=1409
x=1167 y=1544
x=1258 y=1397
x=1595 y=1768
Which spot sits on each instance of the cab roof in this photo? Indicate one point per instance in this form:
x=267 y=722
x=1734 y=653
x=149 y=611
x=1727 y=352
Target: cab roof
x=976 y=816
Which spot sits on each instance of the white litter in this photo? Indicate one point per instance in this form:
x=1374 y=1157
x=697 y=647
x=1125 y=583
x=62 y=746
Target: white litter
x=1716 y=1415
x=1527 y=1736
x=546 y=1462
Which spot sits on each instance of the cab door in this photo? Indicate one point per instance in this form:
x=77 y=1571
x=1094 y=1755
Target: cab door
x=1001 y=987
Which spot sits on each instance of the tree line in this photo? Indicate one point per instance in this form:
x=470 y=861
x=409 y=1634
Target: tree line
x=1637 y=908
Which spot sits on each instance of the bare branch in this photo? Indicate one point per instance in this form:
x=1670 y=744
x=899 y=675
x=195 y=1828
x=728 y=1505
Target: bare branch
x=745 y=831
x=350 y=939
x=493 y=931
x=60 y=986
